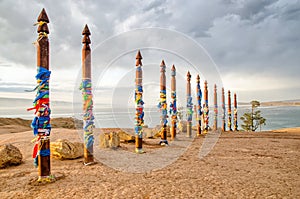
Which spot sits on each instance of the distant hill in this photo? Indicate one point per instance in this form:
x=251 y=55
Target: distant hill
x=295 y=102
x=281 y=103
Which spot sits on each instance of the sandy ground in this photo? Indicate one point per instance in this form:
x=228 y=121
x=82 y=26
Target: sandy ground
x=240 y=165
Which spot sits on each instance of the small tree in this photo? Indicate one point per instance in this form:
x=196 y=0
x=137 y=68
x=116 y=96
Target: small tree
x=253 y=120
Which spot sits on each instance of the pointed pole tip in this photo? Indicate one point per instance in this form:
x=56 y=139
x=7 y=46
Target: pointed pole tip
x=86 y=30
x=162 y=63
x=138 y=55
x=138 y=59
x=188 y=75
x=43 y=16
x=173 y=67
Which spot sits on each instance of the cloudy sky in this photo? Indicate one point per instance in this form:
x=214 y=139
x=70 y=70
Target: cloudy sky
x=253 y=45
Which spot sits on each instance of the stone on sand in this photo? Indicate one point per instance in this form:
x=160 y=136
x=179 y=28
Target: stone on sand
x=126 y=137
x=158 y=130
x=109 y=140
x=9 y=155
x=148 y=132
x=64 y=149
x=182 y=126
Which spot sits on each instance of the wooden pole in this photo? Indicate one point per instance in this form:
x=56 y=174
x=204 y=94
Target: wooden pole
x=229 y=111
x=43 y=103
x=189 y=106
x=223 y=111
x=173 y=104
x=199 y=108
x=215 y=108
x=86 y=87
x=205 y=108
x=235 y=123
x=139 y=108
x=163 y=104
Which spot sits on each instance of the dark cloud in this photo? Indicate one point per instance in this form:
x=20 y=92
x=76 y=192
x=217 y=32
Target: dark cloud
x=251 y=10
x=257 y=36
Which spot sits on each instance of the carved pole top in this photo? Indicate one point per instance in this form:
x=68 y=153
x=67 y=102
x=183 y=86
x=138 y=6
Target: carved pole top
x=163 y=67
x=42 y=22
x=198 y=79
x=86 y=32
x=138 y=59
x=173 y=68
x=173 y=71
x=215 y=88
x=188 y=75
x=43 y=16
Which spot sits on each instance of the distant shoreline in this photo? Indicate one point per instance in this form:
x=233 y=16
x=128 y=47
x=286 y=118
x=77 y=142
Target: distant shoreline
x=279 y=103
x=17 y=125
x=273 y=103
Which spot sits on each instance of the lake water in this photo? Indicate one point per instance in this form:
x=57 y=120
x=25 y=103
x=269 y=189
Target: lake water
x=277 y=117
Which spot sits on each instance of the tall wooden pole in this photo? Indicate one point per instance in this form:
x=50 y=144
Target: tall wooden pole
x=163 y=104
x=215 y=108
x=86 y=87
x=205 y=108
x=139 y=104
x=43 y=62
x=189 y=105
x=223 y=111
x=229 y=111
x=41 y=123
x=173 y=104
x=199 y=108
x=235 y=123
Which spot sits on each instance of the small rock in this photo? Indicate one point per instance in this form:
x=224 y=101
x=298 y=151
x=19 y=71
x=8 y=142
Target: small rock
x=109 y=140
x=158 y=130
x=148 y=132
x=104 y=140
x=64 y=149
x=9 y=155
x=114 y=140
x=126 y=137
x=182 y=126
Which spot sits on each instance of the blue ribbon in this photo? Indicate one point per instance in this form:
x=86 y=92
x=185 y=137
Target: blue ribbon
x=45 y=152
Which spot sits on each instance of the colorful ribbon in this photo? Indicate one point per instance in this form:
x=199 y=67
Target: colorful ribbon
x=235 y=119
x=41 y=122
x=205 y=114
x=173 y=108
x=162 y=105
x=199 y=98
x=139 y=109
x=229 y=117
x=189 y=106
x=223 y=114
x=88 y=117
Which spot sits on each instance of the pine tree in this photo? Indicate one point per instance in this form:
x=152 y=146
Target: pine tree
x=252 y=120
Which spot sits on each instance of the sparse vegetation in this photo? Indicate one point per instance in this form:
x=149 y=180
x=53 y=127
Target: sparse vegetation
x=252 y=120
